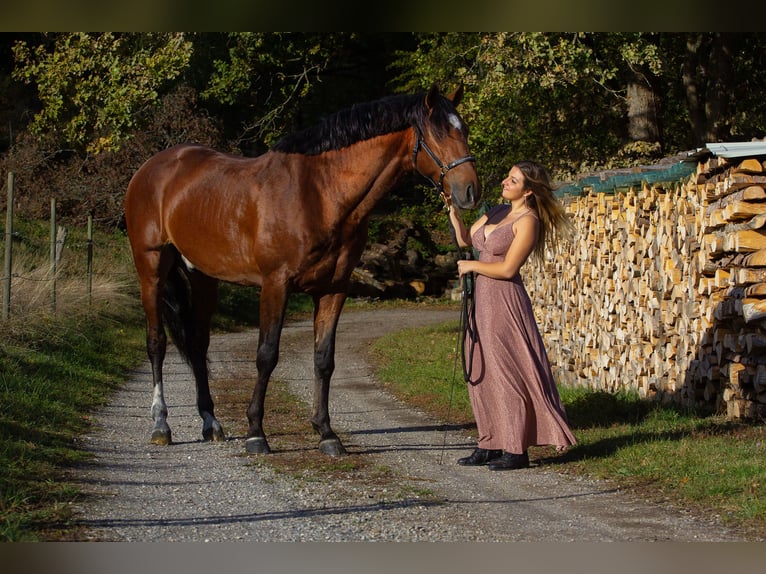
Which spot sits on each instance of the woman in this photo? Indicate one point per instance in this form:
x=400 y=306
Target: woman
x=513 y=395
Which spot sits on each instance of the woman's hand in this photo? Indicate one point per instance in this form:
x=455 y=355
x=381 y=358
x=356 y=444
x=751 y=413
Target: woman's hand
x=464 y=266
x=447 y=201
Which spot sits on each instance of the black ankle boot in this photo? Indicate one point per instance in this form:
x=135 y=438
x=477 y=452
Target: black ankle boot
x=480 y=456
x=510 y=461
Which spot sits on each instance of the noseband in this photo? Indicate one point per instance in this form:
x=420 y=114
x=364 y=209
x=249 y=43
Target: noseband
x=443 y=169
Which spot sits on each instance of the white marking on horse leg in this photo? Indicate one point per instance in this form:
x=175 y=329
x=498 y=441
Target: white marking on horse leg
x=161 y=432
x=159 y=407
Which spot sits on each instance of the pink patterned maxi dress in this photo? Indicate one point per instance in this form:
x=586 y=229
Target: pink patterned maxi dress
x=512 y=390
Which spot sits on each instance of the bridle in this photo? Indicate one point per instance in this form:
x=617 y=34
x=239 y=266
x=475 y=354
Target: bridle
x=443 y=169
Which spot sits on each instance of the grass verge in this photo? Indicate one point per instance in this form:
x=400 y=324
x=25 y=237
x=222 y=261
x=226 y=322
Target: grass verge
x=58 y=363
x=665 y=454
x=53 y=374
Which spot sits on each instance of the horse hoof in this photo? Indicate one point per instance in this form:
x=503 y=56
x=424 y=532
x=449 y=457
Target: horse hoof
x=214 y=434
x=257 y=445
x=161 y=437
x=332 y=447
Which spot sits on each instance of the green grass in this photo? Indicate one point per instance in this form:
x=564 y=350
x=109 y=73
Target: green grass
x=57 y=367
x=238 y=307
x=422 y=374
x=51 y=379
x=664 y=453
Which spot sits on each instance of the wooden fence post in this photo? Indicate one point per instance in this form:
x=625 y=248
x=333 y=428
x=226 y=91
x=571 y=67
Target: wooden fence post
x=90 y=259
x=53 y=255
x=8 y=250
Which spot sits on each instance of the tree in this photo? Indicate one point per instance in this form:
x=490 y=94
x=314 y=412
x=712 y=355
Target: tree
x=93 y=86
x=534 y=95
x=106 y=102
x=96 y=89
x=266 y=84
x=257 y=80
x=580 y=102
x=709 y=83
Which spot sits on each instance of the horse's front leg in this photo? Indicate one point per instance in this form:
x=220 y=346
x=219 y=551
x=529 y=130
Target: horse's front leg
x=327 y=311
x=204 y=293
x=272 y=311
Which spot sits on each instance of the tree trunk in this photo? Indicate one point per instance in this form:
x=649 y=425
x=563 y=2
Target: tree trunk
x=642 y=111
x=708 y=77
x=691 y=85
x=721 y=82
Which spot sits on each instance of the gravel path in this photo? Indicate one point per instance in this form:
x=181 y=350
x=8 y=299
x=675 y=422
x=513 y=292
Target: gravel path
x=197 y=491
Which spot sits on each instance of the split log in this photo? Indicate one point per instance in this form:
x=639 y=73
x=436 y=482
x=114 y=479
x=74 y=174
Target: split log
x=742 y=210
x=745 y=240
x=749 y=165
x=753 y=309
x=746 y=275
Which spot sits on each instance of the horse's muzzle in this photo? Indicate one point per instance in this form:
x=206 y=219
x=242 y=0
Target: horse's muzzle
x=466 y=196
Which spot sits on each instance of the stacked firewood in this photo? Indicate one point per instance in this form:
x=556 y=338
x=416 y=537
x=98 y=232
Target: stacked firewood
x=733 y=264
x=664 y=291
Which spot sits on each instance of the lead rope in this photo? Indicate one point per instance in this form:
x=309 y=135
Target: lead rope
x=466 y=327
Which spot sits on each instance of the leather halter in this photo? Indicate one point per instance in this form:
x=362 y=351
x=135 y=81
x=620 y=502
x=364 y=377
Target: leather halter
x=443 y=169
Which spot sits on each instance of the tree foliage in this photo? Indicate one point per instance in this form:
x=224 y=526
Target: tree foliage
x=92 y=87
x=259 y=79
x=578 y=102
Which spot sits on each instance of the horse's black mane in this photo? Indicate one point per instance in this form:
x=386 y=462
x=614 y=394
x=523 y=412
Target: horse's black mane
x=365 y=121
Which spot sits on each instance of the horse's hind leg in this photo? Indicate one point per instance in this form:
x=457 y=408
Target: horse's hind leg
x=150 y=273
x=204 y=293
x=156 y=343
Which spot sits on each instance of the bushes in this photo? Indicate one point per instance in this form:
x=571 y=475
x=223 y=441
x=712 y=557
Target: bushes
x=96 y=185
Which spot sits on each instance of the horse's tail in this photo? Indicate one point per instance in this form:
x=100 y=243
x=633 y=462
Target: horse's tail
x=177 y=308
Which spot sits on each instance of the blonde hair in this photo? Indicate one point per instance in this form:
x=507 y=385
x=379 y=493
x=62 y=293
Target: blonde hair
x=555 y=224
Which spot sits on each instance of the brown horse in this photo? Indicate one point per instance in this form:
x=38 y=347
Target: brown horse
x=291 y=220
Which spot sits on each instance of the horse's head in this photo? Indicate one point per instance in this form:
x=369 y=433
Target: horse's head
x=444 y=137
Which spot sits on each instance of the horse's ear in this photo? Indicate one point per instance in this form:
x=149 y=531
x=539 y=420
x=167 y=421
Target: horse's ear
x=457 y=96
x=431 y=96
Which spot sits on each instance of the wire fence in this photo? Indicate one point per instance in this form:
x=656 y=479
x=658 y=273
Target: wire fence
x=38 y=285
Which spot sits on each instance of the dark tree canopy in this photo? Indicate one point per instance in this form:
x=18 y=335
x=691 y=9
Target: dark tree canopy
x=80 y=111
